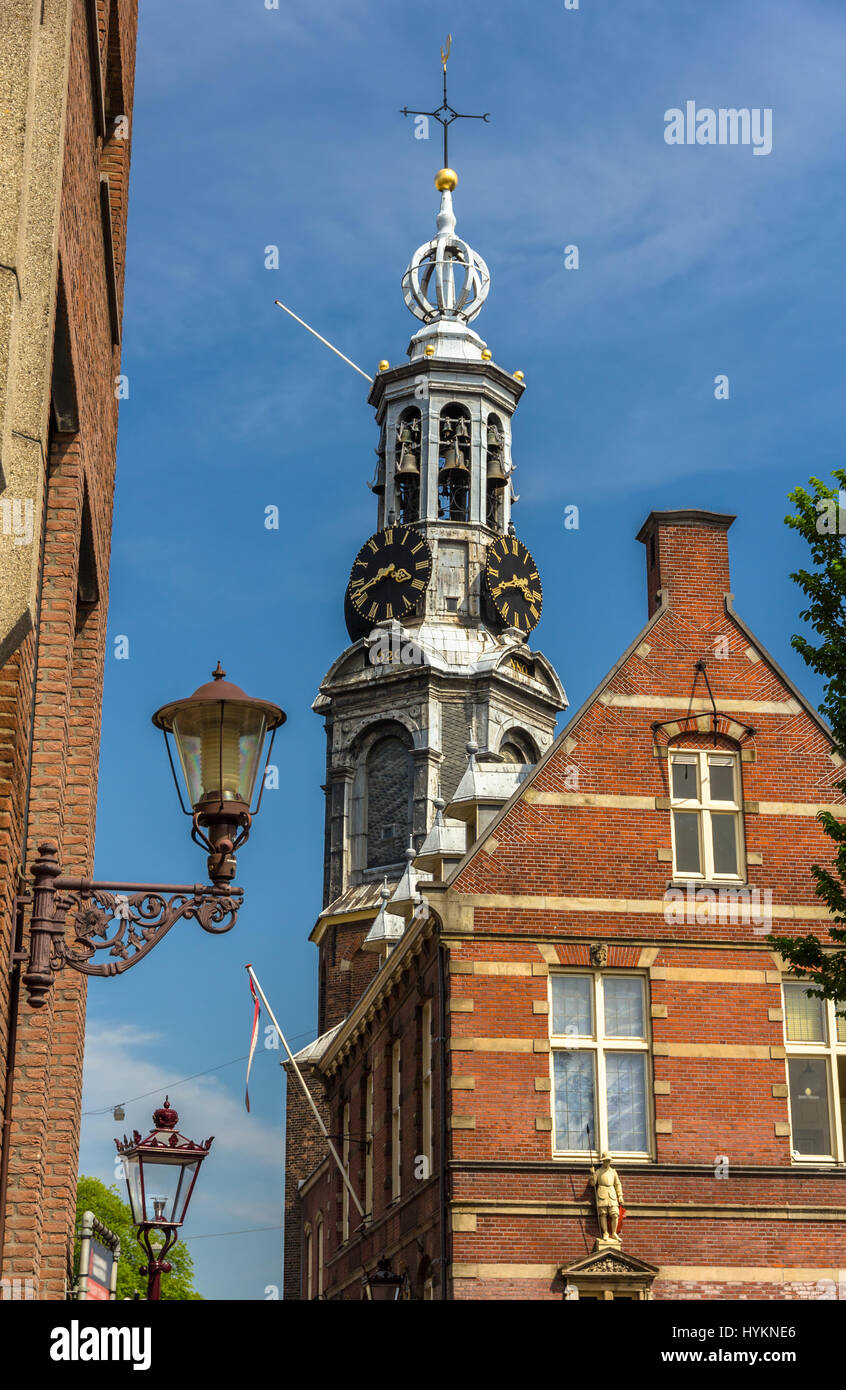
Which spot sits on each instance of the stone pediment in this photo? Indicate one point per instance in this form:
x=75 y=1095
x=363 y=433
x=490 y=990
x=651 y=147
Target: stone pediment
x=609 y=1262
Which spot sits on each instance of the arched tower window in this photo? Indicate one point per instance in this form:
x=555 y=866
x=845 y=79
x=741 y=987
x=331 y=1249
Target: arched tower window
x=454 y=464
x=517 y=747
x=496 y=477
x=407 y=472
x=390 y=786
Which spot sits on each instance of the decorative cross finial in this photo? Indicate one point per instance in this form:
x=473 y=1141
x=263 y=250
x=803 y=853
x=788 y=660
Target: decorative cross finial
x=445 y=113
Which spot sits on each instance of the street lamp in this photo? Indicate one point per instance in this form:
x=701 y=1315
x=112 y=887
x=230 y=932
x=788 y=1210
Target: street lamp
x=220 y=735
x=381 y=1285
x=160 y=1173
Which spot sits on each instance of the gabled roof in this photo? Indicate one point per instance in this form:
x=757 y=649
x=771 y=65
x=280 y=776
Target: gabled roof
x=553 y=748
x=572 y=723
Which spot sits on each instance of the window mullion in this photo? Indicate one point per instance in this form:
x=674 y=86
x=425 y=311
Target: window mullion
x=834 y=1073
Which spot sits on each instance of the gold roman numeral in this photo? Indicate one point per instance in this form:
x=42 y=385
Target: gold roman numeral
x=374 y=609
x=389 y=537
x=415 y=548
x=373 y=546
x=417 y=584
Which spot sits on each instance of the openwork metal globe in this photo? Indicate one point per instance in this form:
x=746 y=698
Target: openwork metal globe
x=446 y=278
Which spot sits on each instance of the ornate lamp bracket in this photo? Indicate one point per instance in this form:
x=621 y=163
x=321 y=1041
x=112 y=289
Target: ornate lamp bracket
x=123 y=920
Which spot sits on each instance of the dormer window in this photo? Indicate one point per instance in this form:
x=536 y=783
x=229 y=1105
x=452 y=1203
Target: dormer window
x=705 y=807
x=454 y=464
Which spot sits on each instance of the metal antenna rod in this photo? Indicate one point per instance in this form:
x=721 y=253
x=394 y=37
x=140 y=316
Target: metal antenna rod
x=323 y=340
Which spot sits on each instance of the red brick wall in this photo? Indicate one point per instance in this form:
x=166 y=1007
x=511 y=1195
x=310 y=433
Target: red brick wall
x=44 y=1138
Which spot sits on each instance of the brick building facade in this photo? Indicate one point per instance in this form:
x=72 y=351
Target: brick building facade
x=594 y=973
x=67 y=70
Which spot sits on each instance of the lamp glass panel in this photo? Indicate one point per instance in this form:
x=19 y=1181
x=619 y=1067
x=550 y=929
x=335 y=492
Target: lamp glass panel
x=220 y=761
x=166 y=1183
x=132 y=1173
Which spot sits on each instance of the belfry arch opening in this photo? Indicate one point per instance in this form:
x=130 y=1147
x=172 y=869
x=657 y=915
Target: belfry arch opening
x=454 y=443
x=407 y=466
x=496 y=475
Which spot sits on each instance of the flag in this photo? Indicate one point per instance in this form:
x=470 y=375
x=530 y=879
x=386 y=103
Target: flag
x=253 y=1038
x=619 y=1219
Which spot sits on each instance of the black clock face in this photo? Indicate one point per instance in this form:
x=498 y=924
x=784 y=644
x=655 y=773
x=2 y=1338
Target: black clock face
x=390 y=574
x=513 y=583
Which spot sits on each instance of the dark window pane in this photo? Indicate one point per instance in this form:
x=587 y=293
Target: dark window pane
x=687 y=842
x=809 y=1105
x=724 y=829
x=721 y=777
x=684 y=781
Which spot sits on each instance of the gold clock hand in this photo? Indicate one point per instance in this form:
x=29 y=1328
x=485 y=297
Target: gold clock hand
x=381 y=574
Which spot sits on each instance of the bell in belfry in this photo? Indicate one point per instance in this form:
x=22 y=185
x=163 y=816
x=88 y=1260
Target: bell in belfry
x=497 y=476
x=408 y=463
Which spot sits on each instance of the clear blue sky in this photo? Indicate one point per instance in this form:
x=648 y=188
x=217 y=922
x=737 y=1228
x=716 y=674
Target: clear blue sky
x=258 y=127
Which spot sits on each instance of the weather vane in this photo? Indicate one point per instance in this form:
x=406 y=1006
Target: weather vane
x=445 y=113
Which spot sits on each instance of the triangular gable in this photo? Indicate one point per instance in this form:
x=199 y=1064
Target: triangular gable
x=572 y=724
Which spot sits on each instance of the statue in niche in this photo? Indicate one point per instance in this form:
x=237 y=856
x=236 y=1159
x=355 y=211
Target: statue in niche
x=608 y=1192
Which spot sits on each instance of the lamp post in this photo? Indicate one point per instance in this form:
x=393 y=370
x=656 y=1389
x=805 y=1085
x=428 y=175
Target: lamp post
x=160 y=1173
x=220 y=734
x=381 y=1285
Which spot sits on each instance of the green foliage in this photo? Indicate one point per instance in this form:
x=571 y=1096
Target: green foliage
x=106 y=1204
x=824 y=586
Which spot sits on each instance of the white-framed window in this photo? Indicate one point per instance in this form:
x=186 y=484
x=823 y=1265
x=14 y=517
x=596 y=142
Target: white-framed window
x=396 y=1130
x=600 y=1063
x=815 y=1042
x=309 y=1272
x=345 y=1159
x=368 y=1139
x=707 y=826
x=319 y=1228
x=426 y=1083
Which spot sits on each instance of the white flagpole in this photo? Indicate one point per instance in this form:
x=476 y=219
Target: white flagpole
x=308 y=1094
x=323 y=340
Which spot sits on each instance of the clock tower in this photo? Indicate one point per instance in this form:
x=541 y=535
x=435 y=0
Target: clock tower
x=439 y=703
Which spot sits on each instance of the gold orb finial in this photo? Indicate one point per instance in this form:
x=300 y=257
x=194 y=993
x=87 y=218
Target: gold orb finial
x=518 y=376
x=486 y=354
x=446 y=180
x=429 y=350
x=384 y=365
